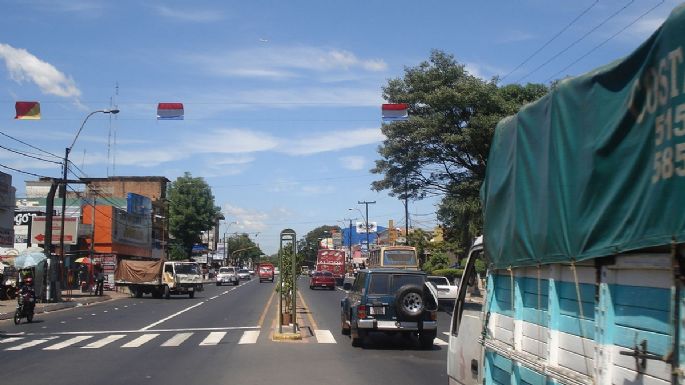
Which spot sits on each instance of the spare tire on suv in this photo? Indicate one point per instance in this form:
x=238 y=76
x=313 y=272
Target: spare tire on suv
x=410 y=302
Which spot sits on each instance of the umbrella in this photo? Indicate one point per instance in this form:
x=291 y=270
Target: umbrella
x=84 y=260
x=29 y=258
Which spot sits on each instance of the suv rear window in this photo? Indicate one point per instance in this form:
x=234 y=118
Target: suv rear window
x=379 y=284
x=327 y=274
x=399 y=280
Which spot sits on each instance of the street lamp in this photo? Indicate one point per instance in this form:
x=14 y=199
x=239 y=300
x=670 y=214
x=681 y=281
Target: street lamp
x=228 y=225
x=65 y=169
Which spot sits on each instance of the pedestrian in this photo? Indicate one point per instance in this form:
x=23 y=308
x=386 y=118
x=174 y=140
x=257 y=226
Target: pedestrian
x=99 y=280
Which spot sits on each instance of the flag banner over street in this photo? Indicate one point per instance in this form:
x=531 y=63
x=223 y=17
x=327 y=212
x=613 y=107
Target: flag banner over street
x=170 y=111
x=27 y=110
x=395 y=112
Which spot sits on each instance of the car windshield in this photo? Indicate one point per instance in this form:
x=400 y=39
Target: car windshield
x=327 y=274
x=226 y=270
x=243 y=271
x=187 y=268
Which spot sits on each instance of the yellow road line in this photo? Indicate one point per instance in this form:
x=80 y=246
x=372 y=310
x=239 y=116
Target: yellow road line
x=266 y=309
x=309 y=313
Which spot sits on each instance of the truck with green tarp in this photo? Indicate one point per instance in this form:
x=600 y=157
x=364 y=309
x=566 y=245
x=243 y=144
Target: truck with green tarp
x=583 y=237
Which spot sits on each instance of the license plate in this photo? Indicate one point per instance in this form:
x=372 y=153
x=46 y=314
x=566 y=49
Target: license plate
x=380 y=310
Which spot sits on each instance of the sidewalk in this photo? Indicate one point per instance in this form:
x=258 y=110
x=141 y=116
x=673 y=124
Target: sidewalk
x=70 y=299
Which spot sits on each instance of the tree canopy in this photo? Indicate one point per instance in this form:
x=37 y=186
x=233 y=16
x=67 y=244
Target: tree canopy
x=241 y=249
x=309 y=244
x=442 y=149
x=191 y=211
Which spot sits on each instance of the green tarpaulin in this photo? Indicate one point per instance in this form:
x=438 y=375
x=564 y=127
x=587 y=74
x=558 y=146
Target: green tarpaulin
x=596 y=167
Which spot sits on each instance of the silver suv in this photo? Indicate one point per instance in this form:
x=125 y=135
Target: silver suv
x=227 y=275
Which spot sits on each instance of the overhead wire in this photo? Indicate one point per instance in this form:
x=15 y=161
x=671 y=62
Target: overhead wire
x=586 y=10
x=28 y=155
x=605 y=41
x=22 y=171
x=564 y=50
x=30 y=145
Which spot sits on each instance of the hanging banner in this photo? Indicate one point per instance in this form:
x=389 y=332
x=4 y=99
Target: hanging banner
x=170 y=111
x=27 y=110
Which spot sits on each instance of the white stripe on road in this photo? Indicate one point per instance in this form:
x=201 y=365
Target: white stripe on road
x=249 y=337
x=142 y=331
x=439 y=342
x=12 y=339
x=31 y=344
x=213 y=338
x=446 y=333
x=139 y=341
x=215 y=297
x=104 y=341
x=324 y=337
x=170 y=317
x=177 y=339
x=67 y=343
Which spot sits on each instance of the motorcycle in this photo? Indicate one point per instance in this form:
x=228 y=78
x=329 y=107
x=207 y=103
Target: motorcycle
x=26 y=304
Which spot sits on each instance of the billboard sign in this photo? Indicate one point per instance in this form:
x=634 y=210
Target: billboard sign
x=70 y=230
x=138 y=204
x=131 y=229
x=23 y=218
x=361 y=227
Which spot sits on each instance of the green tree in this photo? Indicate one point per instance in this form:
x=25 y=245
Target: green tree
x=242 y=249
x=442 y=149
x=191 y=211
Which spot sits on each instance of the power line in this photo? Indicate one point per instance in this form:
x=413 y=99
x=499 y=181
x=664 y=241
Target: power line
x=576 y=41
x=28 y=155
x=605 y=41
x=22 y=171
x=586 y=10
x=30 y=145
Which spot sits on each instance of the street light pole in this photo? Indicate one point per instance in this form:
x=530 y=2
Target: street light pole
x=65 y=169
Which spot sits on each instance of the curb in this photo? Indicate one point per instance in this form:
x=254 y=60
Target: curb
x=286 y=336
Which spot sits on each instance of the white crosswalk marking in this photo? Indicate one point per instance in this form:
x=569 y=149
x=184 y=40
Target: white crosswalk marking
x=11 y=339
x=249 y=337
x=104 y=341
x=68 y=342
x=213 y=338
x=324 y=337
x=30 y=344
x=177 y=339
x=446 y=333
x=439 y=342
x=140 y=341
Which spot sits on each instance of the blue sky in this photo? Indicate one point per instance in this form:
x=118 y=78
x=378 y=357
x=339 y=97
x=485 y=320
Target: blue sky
x=282 y=98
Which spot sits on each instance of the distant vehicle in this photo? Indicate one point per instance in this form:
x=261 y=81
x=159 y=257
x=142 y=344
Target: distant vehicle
x=323 y=279
x=447 y=293
x=333 y=261
x=244 y=274
x=227 y=275
x=276 y=271
x=390 y=301
x=159 y=278
x=251 y=272
x=266 y=272
x=400 y=257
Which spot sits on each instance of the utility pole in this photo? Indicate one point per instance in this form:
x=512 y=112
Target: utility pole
x=367 y=203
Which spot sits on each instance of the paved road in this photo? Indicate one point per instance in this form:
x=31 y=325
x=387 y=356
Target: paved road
x=222 y=336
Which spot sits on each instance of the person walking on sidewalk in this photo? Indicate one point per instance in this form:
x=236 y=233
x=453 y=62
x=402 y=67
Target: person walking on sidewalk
x=99 y=280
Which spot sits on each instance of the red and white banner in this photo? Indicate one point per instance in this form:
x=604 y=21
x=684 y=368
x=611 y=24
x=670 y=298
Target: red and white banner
x=170 y=111
x=395 y=111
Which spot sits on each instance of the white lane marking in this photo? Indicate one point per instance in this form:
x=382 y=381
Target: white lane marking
x=446 y=333
x=249 y=337
x=104 y=341
x=140 y=340
x=213 y=338
x=439 y=342
x=144 y=331
x=150 y=326
x=31 y=344
x=12 y=339
x=215 y=297
x=177 y=339
x=69 y=342
x=324 y=337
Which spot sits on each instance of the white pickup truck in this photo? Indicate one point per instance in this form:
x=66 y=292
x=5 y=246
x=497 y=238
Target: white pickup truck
x=447 y=293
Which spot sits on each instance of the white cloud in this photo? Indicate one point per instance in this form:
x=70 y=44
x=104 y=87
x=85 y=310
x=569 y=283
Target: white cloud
x=285 y=62
x=24 y=66
x=332 y=141
x=314 y=96
x=232 y=141
x=248 y=220
x=353 y=162
x=190 y=15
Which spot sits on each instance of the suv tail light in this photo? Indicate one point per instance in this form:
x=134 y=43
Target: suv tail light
x=361 y=311
x=434 y=315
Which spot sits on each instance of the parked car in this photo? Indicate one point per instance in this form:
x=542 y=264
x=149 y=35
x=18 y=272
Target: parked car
x=227 y=275
x=447 y=293
x=244 y=274
x=390 y=301
x=323 y=279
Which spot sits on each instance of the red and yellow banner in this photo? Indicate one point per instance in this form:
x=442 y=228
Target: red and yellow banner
x=27 y=110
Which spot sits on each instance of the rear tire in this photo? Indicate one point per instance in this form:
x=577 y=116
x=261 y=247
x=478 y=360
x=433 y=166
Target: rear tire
x=358 y=342
x=410 y=302
x=17 y=317
x=191 y=294
x=344 y=329
x=29 y=317
x=236 y=283
x=167 y=292
x=426 y=339
x=218 y=284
